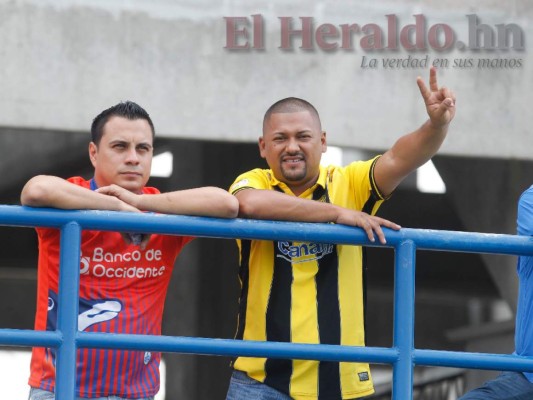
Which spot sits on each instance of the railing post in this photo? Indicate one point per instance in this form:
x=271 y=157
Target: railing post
x=404 y=320
x=67 y=319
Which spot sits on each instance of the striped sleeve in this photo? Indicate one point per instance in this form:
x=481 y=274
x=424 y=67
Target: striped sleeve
x=367 y=195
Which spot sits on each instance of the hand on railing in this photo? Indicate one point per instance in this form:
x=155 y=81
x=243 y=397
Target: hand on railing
x=370 y=223
x=129 y=200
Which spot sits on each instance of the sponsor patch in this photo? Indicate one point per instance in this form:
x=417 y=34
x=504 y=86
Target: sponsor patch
x=296 y=252
x=241 y=183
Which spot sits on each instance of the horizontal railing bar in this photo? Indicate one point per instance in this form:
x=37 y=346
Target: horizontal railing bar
x=425 y=239
x=500 y=362
x=231 y=347
x=402 y=355
x=29 y=338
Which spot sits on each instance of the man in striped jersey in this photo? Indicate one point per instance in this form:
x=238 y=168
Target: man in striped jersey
x=307 y=292
x=123 y=278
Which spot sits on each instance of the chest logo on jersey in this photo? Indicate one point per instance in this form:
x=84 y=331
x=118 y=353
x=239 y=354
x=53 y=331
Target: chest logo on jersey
x=303 y=252
x=129 y=265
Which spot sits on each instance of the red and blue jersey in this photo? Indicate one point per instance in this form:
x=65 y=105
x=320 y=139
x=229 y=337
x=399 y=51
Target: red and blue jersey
x=122 y=290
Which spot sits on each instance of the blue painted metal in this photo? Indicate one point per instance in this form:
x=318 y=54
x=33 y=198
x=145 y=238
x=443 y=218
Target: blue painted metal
x=404 y=320
x=24 y=337
x=425 y=239
x=229 y=347
x=403 y=356
x=67 y=317
x=500 y=362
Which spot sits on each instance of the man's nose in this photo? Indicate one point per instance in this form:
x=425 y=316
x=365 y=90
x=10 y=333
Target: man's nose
x=132 y=156
x=293 y=146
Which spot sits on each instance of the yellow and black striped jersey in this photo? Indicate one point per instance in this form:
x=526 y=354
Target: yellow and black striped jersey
x=307 y=292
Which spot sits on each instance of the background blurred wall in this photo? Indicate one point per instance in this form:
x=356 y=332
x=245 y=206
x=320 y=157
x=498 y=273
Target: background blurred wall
x=64 y=61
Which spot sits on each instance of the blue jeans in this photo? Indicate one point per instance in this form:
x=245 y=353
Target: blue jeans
x=242 y=387
x=39 y=394
x=506 y=386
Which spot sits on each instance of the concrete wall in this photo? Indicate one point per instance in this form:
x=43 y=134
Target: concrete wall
x=64 y=61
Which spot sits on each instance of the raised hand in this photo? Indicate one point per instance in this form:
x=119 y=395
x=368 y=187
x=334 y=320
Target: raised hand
x=440 y=103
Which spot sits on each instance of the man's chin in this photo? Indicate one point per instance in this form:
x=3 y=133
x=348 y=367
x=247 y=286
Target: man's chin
x=293 y=178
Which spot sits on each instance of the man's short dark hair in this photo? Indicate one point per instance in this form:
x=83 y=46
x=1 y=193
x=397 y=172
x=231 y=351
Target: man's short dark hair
x=124 y=109
x=291 y=105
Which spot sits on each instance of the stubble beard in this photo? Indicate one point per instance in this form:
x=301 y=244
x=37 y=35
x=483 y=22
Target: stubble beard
x=294 y=175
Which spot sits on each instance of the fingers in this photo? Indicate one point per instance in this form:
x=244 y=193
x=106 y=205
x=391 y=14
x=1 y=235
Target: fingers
x=372 y=226
x=433 y=86
x=389 y=224
x=111 y=190
x=448 y=96
x=423 y=89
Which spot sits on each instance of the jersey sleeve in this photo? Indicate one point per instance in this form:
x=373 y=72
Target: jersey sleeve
x=49 y=233
x=366 y=192
x=254 y=179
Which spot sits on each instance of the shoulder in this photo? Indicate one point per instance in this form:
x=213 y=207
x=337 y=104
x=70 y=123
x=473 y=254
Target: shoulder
x=356 y=171
x=526 y=199
x=256 y=178
x=527 y=195
x=525 y=213
x=361 y=167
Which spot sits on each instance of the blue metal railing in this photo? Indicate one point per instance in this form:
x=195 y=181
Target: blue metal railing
x=402 y=355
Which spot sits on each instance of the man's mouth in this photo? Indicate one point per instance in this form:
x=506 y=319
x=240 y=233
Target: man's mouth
x=292 y=160
x=130 y=173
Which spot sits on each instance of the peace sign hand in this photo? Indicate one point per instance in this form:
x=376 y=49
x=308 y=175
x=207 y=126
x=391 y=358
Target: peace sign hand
x=440 y=103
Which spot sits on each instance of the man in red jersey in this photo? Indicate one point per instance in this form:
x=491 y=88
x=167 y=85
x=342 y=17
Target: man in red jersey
x=123 y=278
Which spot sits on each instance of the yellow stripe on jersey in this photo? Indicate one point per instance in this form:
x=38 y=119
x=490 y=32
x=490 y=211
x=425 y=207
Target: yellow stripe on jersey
x=304 y=322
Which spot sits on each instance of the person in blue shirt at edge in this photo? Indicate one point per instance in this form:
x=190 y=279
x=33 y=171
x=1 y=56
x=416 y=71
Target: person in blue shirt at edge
x=310 y=292
x=510 y=385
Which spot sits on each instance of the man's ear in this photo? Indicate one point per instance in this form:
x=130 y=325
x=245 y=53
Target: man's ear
x=324 y=142
x=93 y=152
x=261 y=144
